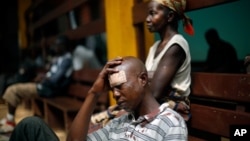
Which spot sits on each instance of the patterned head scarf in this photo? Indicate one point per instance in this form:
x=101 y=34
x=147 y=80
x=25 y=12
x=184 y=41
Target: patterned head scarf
x=179 y=7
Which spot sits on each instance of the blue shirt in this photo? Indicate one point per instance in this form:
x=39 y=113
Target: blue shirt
x=58 y=77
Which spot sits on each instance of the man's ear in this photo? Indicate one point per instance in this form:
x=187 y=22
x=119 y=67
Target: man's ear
x=143 y=78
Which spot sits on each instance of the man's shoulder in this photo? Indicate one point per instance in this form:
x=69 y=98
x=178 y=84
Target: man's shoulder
x=171 y=117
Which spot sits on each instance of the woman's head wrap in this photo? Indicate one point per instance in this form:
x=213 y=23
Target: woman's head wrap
x=179 y=7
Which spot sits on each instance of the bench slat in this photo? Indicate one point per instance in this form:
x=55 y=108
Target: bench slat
x=216 y=120
x=192 y=138
x=78 y=90
x=86 y=75
x=234 y=87
x=64 y=103
x=60 y=111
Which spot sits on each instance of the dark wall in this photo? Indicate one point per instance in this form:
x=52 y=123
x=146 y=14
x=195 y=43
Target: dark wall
x=8 y=36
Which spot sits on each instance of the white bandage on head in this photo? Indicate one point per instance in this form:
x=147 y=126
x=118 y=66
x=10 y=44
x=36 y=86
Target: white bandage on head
x=117 y=78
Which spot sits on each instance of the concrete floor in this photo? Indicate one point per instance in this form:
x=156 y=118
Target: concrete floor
x=22 y=112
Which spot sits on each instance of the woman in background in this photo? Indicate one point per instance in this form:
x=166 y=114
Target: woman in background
x=169 y=58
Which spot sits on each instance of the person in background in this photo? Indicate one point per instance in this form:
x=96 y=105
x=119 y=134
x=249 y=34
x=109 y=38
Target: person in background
x=53 y=83
x=222 y=56
x=26 y=70
x=247 y=64
x=169 y=58
x=84 y=58
x=145 y=119
x=168 y=61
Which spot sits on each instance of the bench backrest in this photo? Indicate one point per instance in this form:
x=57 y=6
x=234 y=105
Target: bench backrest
x=219 y=101
x=82 y=80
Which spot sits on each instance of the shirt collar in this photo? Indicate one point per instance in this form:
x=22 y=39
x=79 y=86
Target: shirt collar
x=150 y=116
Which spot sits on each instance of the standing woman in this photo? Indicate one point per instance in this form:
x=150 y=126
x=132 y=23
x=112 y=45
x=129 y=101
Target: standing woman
x=169 y=59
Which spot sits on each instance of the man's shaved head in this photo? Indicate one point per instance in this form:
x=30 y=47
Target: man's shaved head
x=130 y=66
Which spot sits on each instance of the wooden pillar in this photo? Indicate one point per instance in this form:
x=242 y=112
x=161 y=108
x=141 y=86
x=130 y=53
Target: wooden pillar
x=120 y=32
x=22 y=6
x=148 y=36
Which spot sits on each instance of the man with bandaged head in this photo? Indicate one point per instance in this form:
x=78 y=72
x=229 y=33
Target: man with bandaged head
x=145 y=119
x=168 y=61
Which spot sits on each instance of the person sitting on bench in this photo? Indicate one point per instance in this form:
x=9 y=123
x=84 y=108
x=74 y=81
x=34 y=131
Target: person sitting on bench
x=145 y=119
x=168 y=61
x=55 y=82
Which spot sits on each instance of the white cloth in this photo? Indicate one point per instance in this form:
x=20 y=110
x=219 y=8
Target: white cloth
x=182 y=79
x=83 y=57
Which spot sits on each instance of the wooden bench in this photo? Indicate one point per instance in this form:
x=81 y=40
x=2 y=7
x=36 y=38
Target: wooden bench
x=60 y=111
x=217 y=102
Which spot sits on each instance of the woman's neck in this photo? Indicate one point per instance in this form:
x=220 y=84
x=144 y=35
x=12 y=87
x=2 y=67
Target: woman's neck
x=167 y=34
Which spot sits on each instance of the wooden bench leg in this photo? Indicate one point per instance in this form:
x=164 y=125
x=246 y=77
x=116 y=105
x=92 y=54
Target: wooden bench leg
x=37 y=107
x=54 y=117
x=68 y=119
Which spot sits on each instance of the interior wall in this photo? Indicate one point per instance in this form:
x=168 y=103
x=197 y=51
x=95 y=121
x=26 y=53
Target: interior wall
x=231 y=21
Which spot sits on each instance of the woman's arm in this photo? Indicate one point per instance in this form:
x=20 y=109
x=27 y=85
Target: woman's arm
x=166 y=70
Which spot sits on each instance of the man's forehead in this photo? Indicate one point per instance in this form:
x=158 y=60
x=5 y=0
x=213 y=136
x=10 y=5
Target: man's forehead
x=118 y=78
